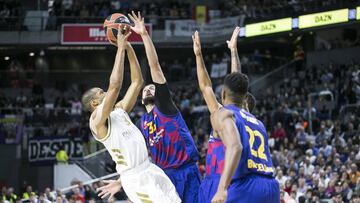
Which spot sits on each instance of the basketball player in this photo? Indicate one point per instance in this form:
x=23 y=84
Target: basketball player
x=166 y=133
x=110 y=124
x=249 y=178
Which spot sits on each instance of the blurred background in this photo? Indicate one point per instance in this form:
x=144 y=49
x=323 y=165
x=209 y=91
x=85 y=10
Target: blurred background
x=302 y=58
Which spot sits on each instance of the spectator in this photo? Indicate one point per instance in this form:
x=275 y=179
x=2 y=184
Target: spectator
x=29 y=192
x=279 y=132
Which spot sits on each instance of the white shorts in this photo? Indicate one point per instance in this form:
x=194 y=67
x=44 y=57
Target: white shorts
x=147 y=183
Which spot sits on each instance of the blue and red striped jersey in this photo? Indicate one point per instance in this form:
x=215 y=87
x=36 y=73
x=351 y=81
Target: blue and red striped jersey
x=215 y=156
x=168 y=139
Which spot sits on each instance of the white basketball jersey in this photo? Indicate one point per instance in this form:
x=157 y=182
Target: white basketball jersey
x=124 y=141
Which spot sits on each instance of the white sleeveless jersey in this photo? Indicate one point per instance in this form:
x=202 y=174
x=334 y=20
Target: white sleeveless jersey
x=124 y=141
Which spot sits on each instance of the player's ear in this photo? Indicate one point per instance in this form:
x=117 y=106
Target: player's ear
x=94 y=103
x=223 y=94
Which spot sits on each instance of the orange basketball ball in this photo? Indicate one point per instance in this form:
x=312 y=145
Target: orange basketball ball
x=111 y=26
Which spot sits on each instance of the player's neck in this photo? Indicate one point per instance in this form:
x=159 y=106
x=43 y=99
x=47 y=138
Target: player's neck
x=149 y=107
x=232 y=103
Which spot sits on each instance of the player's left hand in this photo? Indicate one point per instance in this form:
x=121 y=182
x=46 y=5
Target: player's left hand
x=220 y=196
x=197 y=43
x=110 y=189
x=139 y=25
x=232 y=44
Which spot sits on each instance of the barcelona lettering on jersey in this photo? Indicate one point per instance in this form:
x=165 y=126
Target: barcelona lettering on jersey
x=215 y=157
x=255 y=157
x=168 y=139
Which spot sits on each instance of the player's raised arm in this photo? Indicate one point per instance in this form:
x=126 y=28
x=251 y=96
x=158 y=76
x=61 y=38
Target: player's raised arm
x=203 y=76
x=102 y=112
x=223 y=122
x=232 y=45
x=155 y=68
x=137 y=81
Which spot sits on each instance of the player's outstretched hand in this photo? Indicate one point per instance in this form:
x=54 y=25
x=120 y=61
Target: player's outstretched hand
x=196 y=43
x=110 y=189
x=139 y=25
x=122 y=38
x=232 y=44
x=220 y=196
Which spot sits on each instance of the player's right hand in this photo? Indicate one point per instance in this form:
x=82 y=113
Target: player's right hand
x=110 y=189
x=220 y=196
x=196 y=43
x=232 y=44
x=121 y=38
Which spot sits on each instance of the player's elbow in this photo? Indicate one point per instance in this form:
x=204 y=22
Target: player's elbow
x=204 y=88
x=236 y=148
x=114 y=85
x=139 y=84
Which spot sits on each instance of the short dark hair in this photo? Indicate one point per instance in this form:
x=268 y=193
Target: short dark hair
x=251 y=101
x=87 y=97
x=238 y=85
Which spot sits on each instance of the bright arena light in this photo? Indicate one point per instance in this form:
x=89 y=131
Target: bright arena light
x=31 y=54
x=6 y=58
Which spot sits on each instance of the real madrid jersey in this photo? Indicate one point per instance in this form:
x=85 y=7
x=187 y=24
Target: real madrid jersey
x=124 y=141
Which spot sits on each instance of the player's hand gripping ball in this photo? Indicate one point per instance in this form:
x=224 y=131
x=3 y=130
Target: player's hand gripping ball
x=111 y=25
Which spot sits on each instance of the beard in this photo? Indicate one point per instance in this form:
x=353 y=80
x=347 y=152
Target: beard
x=149 y=100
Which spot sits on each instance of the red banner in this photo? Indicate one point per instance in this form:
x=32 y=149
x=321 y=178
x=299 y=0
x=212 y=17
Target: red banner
x=84 y=34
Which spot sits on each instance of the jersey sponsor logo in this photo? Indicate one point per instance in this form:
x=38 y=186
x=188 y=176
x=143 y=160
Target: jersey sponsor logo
x=156 y=138
x=259 y=166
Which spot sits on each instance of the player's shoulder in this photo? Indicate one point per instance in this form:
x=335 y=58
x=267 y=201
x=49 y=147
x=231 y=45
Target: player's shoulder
x=221 y=114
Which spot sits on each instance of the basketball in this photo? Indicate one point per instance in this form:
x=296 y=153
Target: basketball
x=111 y=25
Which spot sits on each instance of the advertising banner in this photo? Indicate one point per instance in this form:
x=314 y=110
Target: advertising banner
x=92 y=34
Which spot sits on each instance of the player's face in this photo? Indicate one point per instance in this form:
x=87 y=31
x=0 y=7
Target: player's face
x=98 y=97
x=148 y=91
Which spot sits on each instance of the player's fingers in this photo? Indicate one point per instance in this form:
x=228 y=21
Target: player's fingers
x=104 y=195
x=127 y=35
x=107 y=181
x=139 y=15
x=111 y=197
x=142 y=19
x=131 y=18
x=134 y=15
x=237 y=31
x=101 y=193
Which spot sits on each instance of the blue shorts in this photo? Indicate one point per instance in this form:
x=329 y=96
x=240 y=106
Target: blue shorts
x=186 y=180
x=208 y=188
x=254 y=189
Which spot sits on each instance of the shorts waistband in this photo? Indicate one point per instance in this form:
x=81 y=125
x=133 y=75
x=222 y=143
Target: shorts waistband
x=253 y=176
x=137 y=169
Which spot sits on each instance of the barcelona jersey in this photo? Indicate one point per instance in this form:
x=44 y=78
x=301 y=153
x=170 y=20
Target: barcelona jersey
x=255 y=157
x=215 y=156
x=168 y=139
